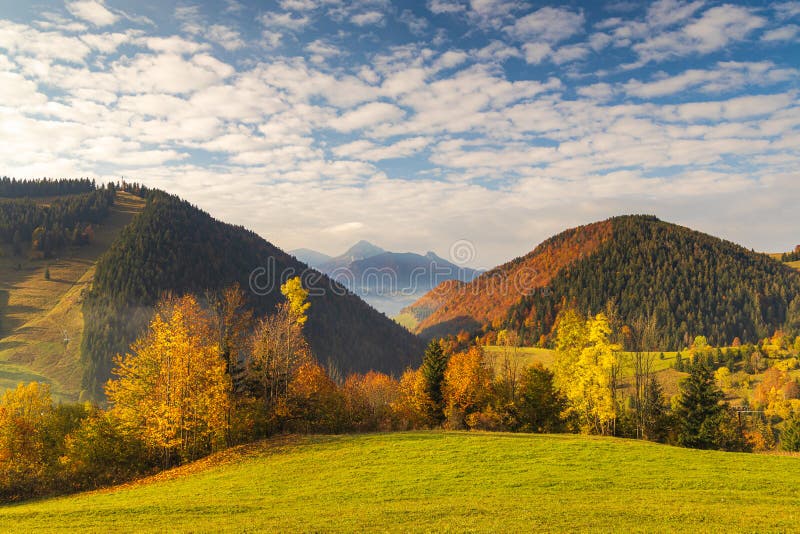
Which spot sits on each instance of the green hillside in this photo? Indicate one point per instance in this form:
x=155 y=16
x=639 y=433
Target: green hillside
x=441 y=481
x=42 y=322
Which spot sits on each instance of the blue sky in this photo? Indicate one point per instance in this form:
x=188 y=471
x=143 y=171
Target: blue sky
x=418 y=125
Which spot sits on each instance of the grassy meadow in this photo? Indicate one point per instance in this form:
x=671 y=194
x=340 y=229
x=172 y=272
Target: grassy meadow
x=42 y=322
x=423 y=481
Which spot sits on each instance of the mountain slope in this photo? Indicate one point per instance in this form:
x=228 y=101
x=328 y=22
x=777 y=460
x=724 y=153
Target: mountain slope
x=694 y=284
x=42 y=322
x=487 y=299
x=441 y=481
x=312 y=258
x=173 y=246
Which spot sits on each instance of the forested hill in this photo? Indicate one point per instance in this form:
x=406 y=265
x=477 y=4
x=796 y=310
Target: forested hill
x=694 y=284
x=173 y=246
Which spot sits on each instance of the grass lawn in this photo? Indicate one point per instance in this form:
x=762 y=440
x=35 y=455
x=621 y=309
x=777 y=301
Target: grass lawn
x=435 y=481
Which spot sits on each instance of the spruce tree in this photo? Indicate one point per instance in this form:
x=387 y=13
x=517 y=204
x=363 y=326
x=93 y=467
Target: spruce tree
x=433 y=366
x=790 y=437
x=699 y=410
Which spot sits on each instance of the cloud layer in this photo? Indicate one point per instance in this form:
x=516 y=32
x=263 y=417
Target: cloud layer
x=321 y=122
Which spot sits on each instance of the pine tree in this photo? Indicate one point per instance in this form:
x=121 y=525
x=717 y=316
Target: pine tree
x=433 y=367
x=699 y=409
x=678 y=362
x=790 y=437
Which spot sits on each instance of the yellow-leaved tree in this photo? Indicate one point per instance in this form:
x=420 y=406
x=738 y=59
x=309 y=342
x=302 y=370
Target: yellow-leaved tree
x=278 y=350
x=585 y=361
x=297 y=299
x=24 y=413
x=172 y=389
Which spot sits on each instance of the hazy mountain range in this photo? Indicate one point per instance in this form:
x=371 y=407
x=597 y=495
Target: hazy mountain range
x=389 y=281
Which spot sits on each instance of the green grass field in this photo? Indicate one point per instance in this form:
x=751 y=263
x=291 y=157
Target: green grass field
x=42 y=322
x=436 y=481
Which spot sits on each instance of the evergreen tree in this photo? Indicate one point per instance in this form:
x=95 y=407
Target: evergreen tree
x=654 y=412
x=47 y=273
x=699 y=409
x=790 y=437
x=433 y=367
x=678 y=362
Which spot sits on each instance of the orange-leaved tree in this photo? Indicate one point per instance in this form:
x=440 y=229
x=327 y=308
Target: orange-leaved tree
x=173 y=389
x=467 y=386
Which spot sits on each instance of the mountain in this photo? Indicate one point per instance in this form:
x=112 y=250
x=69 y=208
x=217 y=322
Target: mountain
x=173 y=246
x=360 y=251
x=694 y=284
x=388 y=281
x=310 y=257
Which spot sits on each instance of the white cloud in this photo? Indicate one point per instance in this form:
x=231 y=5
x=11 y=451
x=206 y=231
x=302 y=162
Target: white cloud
x=19 y=39
x=439 y=7
x=366 y=116
x=174 y=45
x=727 y=76
x=284 y=21
x=497 y=51
x=598 y=91
x=322 y=50
x=547 y=25
x=225 y=36
x=169 y=73
x=535 y=53
x=367 y=18
x=664 y=13
x=18 y=92
x=786 y=10
x=368 y=151
x=92 y=11
x=714 y=30
x=784 y=33
x=492 y=13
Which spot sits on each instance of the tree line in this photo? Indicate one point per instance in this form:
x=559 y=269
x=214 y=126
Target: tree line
x=46 y=229
x=45 y=187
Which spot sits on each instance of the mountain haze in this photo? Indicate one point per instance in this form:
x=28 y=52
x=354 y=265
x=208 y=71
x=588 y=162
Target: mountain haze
x=388 y=281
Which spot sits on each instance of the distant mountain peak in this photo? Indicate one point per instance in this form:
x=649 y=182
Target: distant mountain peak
x=362 y=250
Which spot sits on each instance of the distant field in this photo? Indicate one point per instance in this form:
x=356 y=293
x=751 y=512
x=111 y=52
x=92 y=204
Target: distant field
x=41 y=322
x=792 y=264
x=406 y=320
x=435 y=481
x=527 y=356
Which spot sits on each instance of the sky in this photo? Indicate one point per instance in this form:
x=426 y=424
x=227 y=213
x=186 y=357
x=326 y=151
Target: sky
x=473 y=128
